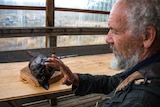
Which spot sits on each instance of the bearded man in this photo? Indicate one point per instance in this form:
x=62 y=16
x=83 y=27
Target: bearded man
x=134 y=37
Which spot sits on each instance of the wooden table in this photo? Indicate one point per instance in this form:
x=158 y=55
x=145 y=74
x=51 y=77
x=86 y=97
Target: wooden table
x=12 y=87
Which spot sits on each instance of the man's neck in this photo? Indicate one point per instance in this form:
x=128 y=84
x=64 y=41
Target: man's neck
x=150 y=51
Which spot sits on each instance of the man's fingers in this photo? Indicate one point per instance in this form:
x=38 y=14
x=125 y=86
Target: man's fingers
x=55 y=62
x=54 y=56
x=66 y=81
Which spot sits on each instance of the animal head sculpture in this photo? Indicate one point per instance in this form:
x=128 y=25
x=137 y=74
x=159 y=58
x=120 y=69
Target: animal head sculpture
x=41 y=72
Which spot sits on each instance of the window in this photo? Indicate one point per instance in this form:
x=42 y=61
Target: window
x=23 y=2
x=79 y=19
x=37 y=18
x=22 y=18
x=102 y=5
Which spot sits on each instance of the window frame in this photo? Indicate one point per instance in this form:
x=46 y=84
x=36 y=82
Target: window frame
x=51 y=32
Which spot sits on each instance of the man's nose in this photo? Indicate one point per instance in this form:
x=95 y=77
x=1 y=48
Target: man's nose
x=109 y=38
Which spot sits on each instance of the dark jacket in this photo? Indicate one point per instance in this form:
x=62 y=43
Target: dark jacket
x=145 y=94
x=134 y=95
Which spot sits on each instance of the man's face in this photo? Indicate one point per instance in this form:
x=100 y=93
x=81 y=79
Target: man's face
x=125 y=45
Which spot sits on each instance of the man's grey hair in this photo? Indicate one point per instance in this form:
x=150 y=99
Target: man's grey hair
x=143 y=13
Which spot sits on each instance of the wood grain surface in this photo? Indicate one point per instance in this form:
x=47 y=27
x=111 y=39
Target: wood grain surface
x=13 y=87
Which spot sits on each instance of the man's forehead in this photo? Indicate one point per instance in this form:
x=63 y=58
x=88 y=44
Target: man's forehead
x=118 y=13
x=116 y=19
x=119 y=8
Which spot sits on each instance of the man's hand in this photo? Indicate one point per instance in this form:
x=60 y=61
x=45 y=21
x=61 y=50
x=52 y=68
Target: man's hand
x=69 y=77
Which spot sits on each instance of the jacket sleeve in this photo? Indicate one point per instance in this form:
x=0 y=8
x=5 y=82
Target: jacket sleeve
x=96 y=84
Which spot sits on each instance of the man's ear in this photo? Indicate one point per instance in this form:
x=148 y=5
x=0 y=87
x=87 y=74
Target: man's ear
x=149 y=36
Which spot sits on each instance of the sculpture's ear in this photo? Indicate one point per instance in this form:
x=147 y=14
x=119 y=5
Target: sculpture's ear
x=33 y=54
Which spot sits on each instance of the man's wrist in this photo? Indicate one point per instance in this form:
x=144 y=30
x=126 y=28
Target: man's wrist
x=75 y=79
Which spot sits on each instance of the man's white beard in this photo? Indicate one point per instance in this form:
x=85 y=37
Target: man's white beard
x=119 y=62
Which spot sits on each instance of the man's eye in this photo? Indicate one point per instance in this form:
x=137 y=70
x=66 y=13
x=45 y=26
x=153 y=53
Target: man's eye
x=114 y=31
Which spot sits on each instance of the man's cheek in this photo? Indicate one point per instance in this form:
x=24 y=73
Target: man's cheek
x=121 y=48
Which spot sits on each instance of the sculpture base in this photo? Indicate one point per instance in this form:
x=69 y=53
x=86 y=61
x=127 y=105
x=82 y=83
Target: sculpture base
x=26 y=75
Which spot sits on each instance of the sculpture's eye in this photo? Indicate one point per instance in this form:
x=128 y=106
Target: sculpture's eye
x=42 y=69
x=41 y=77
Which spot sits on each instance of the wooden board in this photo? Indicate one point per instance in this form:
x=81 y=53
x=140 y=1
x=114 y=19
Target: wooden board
x=12 y=87
x=26 y=75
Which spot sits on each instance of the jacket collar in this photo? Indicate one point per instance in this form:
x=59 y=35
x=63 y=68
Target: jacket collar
x=152 y=59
